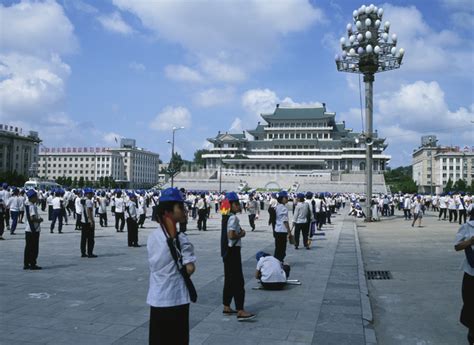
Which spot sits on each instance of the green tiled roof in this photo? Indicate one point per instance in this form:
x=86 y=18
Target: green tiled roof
x=298 y=113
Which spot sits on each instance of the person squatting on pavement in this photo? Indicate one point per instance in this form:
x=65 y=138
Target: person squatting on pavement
x=172 y=261
x=465 y=242
x=87 y=225
x=231 y=244
x=271 y=272
x=32 y=231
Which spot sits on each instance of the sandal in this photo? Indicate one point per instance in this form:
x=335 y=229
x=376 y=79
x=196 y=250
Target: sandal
x=230 y=312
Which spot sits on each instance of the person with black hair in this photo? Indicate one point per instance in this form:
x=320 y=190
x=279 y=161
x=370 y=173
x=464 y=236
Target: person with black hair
x=202 y=213
x=119 y=211
x=87 y=225
x=172 y=261
x=132 y=222
x=301 y=220
x=282 y=226
x=231 y=244
x=32 y=231
x=465 y=242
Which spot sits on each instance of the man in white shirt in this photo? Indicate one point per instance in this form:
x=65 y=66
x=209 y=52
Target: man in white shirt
x=443 y=206
x=202 y=213
x=32 y=231
x=119 y=211
x=132 y=224
x=5 y=196
x=271 y=272
x=88 y=225
x=78 y=209
x=141 y=209
x=13 y=204
x=56 y=203
x=102 y=202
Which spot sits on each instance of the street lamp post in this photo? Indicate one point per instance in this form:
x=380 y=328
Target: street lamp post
x=172 y=155
x=369 y=50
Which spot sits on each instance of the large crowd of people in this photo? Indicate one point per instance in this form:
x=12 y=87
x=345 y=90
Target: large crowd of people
x=171 y=255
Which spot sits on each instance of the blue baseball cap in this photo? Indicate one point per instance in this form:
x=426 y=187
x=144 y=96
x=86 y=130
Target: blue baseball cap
x=88 y=190
x=261 y=254
x=31 y=193
x=171 y=194
x=309 y=195
x=283 y=194
x=131 y=195
x=232 y=196
x=300 y=196
x=4 y=185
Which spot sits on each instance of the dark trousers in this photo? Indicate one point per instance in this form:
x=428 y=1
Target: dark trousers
x=252 y=220
x=320 y=219
x=2 y=224
x=7 y=217
x=57 y=215
x=132 y=232
x=103 y=219
x=280 y=245
x=407 y=213
x=119 y=216
x=78 y=221
x=202 y=219
x=442 y=212
x=467 y=312
x=453 y=215
x=31 y=248
x=50 y=212
x=233 y=279
x=462 y=214
x=183 y=227
x=273 y=286
x=328 y=217
x=87 y=239
x=169 y=325
x=304 y=229
x=14 y=215
x=141 y=219
x=64 y=215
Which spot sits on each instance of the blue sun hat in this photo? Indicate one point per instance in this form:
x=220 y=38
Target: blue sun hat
x=171 y=194
x=260 y=255
x=31 y=193
x=232 y=196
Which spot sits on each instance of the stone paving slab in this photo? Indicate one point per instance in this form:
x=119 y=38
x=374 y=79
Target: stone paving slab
x=76 y=300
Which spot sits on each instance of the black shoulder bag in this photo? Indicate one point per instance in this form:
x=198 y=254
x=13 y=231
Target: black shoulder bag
x=175 y=250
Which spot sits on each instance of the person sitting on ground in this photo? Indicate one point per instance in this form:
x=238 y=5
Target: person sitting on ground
x=271 y=272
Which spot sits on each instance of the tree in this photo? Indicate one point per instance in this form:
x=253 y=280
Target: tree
x=449 y=186
x=176 y=163
x=80 y=183
x=400 y=179
x=460 y=186
x=13 y=178
x=198 y=157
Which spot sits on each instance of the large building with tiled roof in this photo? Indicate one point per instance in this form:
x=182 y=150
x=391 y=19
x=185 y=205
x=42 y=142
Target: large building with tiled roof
x=295 y=139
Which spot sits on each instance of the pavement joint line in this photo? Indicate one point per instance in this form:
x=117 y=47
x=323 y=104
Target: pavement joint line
x=367 y=315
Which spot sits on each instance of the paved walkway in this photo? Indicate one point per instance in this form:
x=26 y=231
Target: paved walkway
x=421 y=305
x=77 y=300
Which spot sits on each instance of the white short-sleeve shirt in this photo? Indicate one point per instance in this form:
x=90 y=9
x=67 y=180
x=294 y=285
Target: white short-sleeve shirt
x=465 y=232
x=233 y=224
x=281 y=217
x=271 y=270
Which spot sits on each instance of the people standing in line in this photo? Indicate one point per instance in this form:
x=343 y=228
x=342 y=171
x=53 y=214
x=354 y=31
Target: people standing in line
x=319 y=210
x=56 y=204
x=282 y=226
x=253 y=211
x=32 y=231
x=78 y=209
x=102 y=202
x=119 y=211
x=87 y=225
x=234 y=285
x=452 y=209
x=13 y=204
x=443 y=206
x=132 y=221
x=465 y=242
x=301 y=220
x=172 y=261
x=202 y=213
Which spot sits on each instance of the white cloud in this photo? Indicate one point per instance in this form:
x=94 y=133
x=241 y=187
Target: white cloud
x=227 y=38
x=171 y=117
x=136 y=66
x=114 y=22
x=258 y=101
x=183 y=73
x=220 y=71
x=212 y=97
x=428 y=50
x=236 y=126
x=111 y=138
x=36 y=28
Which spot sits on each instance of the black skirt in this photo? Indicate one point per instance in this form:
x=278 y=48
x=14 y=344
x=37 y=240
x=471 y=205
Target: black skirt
x=467 y=312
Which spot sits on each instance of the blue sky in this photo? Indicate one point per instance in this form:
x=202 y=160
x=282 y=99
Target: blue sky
x=85 y=72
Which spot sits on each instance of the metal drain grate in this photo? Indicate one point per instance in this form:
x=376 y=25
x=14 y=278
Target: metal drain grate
x=378 y=275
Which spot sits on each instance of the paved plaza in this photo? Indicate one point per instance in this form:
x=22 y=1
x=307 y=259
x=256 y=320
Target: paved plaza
x=76 y=300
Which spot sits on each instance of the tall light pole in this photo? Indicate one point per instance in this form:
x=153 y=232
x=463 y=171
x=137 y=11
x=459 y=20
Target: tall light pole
x=172 y=155
x=369 y=50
